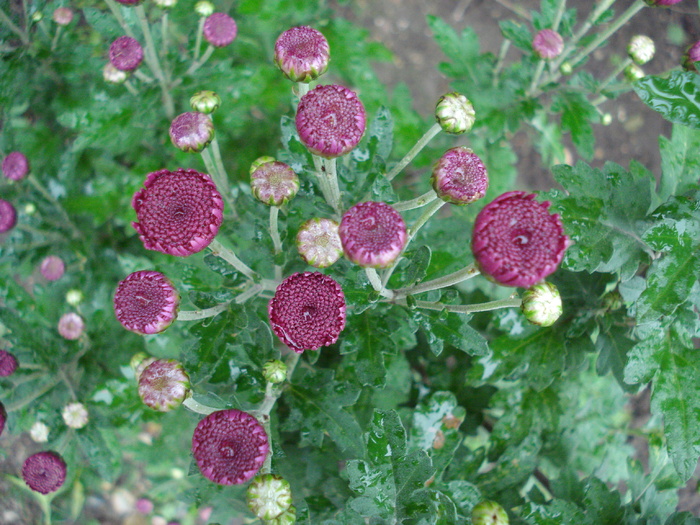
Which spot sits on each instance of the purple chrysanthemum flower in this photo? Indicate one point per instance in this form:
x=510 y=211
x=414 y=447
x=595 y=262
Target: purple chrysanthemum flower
x=52 y=268
x=229 y=446
x=3 y=417
x=318 y=242
x=191 y=132
x=460 y=177
x=63 y=16
x=220 y=29
x=8 y=216
x=125 y=53
x=307 y=311
x=691 y=56
x=179 y=213
x=330 y=120
x=71 y=326
x=548 y=44
x=516 y=241
x=15 y=166
x=8 y=363
x=302 y=54
x=373 y=234
x=146 y=302
x=274 y=183
x=164 y=385
x=44 y=472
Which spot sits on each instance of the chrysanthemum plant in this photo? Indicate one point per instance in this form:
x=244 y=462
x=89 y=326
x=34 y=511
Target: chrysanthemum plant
x=297 y=299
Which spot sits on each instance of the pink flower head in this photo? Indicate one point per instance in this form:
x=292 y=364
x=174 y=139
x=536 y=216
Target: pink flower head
x=548 y=44
x=220 y=29
x=146 y=302
x=164 y=385
x=691 y=56
x=71 y=326
x=302 y=53
x=144 y=506
x=125 y=53
x=229 y=446
x=8 y=216
x=661 y=3
x=460 y=176
x=330 y=120
x=274 y=183
x=8 y=363
x=318 y=242
x=307 y=311
x=191 y=132
x=15 y=166
x=44 y=472
x=3 y=418
x=373 y=234
x=179 y=212
x=52 y=268
x=516 y=241
x=63 y=16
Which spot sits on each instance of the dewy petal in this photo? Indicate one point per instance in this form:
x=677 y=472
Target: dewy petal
x=459 y=176
x=146 y=302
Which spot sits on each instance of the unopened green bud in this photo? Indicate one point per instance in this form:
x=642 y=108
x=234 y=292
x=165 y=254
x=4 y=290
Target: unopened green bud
x=566 y=68
x=275 y=371
x=260 y=161
x=30 y=208
x=633 y=73
x=269 y=496
x=288 y=517
x=113 y=75
x=489 y=513
x=37 y=16
x=205 y=102
x=74 y=297
x=542 y=304
x=606 y=119
x=165 y=4
x=204 y=8
x=455 y=113
x=641 y=49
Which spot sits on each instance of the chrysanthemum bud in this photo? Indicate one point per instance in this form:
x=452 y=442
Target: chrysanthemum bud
x=633 y=73
x=144 y=506
x=146 y=302
x=275 y=371
x=661 y=3
x=548 y=44
x=459 y=176
x=691 y=56
x=260 y=161
x=113 y=75
x=165 y=4
x=44 y=472
x=8 y=363
x=566 y=68
x=3 y=417
x=37 y=16
x=274 y=183
x=606 y=119
x=489 y=513
x=191 y=132
x=8 y=216
x=125 y=53
x=164 y=385
x=63 y=16
x=15 y=166
x=30 y=208
x=205 y=102
x=455 y=113
x=71 y=326
x=139 y=362
x=541 y=304
x=39 y=432
x=641 y=49
x=75 y=415
x=204 y=8
x=74 y=297
x=52 y=268
x=220 y=29
x=268 y=496
x=288 y=517
x=318 y=242
x=302 y=54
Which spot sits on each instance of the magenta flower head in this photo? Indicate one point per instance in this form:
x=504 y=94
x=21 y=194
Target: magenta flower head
x=8 y=363
x=146 y=302
x=191 y=132
x=516 y=241
x=330 y=120
x=3 y=418
x=691 y=56
x=44 y=472
x=15 y=166
x=460 y=177
x=307 y=311
x=164 y=385
x=125 y=53
x=318 y=242
x=179 y=212
x=52 y=268
x=302 y=54
x=373 y=234
x=548 y=44
x=71 y=326
x=661 y=3
x=274 y=183
x=229 y=446
x=63 y=16
x=220 y=29
x=8 y=216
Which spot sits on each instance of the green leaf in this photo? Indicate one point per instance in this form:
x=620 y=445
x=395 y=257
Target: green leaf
x=458 y=48
x=577 y=113
x=452 y=329
x=680 y=162
x=676 y=98
x=381 y=134
x=519 y=34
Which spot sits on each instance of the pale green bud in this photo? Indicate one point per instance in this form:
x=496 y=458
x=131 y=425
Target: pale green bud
x=566 y=68
x=113 y=75
x=541 y=304
x=489 y=513
x=641 y=49
x=204 y=8
x=633 y=73
x=269 y=496
x=74 y=297
x=205 y=102
x=275 y=371
x=455 y=113
x=606 y=119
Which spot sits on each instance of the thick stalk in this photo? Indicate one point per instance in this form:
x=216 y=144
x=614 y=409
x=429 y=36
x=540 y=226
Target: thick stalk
x=415 y=150
x=561 y=8
x=536 y=77
x=329 y=169
x=441 y=282
x=619 y=69
x=418 y=202
x=218 y=161
x=120 y=19
x=56 y=36
x=505 y=46
x=196 y=315
x=227 y=255
x=219 y=178
x=376 y=283
x=198 y=63
x=197 y=407
x=198 y=40
x=462 y=308
x=130 y=88
x=152 y=59
x=276 y=241
x=322 y=180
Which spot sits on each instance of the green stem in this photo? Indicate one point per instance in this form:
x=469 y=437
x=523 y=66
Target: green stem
x=45 y=193
x=322 y=180
x=56 y=36
x=227 y=255
x=376 y=283
x=120 y=19
x=561 y=8
x=218 y=161
x=462 y=308
x=12 y=407
x=415 y=150
x=197 y=407
x=505 y=46
x=219 y=178
x=196 y=315
x=198 y=41
x=14 y=28
x=152 y=59
x=276 y=241
x=164 y=33
x=536 y=77
x=441 y=282
x=130 y=88
x=619 y=69
x=199 y=63
x=418 y=202
x=329 y=169
x=143 y=77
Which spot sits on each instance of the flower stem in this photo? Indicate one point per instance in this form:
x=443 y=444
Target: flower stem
x=418 y=202
x=536 y=77
x=463 y=308
x=441 y=282
x=197 y=407
x=196 y=315
x=219 y=164
x=329 y=169
x=218 y=177
x=415 y=150
x=505 y=46
x=276 y=241
x=227 y=255
x=45 y=193
x=322 y=180
x=619 y=69
x=11 y=407
x=152 y=59
x=198 y=41
x=130 y=88
x=56 y=36
x=120 y=19
x=14 y=28
x=199 y=63
x=376 y=282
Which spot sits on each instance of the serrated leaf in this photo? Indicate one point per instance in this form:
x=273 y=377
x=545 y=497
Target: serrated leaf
x=577 y=113
x=613 y=347
x=452 y=329
x=519 y=34
x=458 y=48
x=381 y=134
x=676 y=98
x=680 y=162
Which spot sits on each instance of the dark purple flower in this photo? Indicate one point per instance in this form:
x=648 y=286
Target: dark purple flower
x=516 y=241
x=44 y=472
x=125 y=53
x=8 y=216
x=229 y=446
x=15 y=166
x=192 y=131
x=179 y=213
x=8 y=363
x=691 y=56
x=274 y=183
x=302 y=53
x=307 y=311
x=146 y=302
x=220 y=29
x=460 y=176
x=373 y=234
x=3 y=417
x=164 y=385
x=548 y=44
x=330 y=120
x=52 y=268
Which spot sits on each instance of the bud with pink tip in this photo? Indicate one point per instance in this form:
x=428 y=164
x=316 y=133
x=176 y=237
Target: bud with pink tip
x=164 y=385
x=307 y=311
x=318 y=242
x=125 y=53
x=75 y=415
x=71 y=326
x=8 y=216
x=15 y=166
x=691 y=57
x=44 y=472
x=62 y=16
x=229 y=446
x=144 y=506
x=146 y=302
x=274 y=183
x=302 y=54
x=268 y=496
x=330 y=120
x=8 y=363
x=220 y=29
x=455 y=113
x=548 y=44
x=460 y=177
x=52 y=268
x=191 y=132
x=39 y=432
